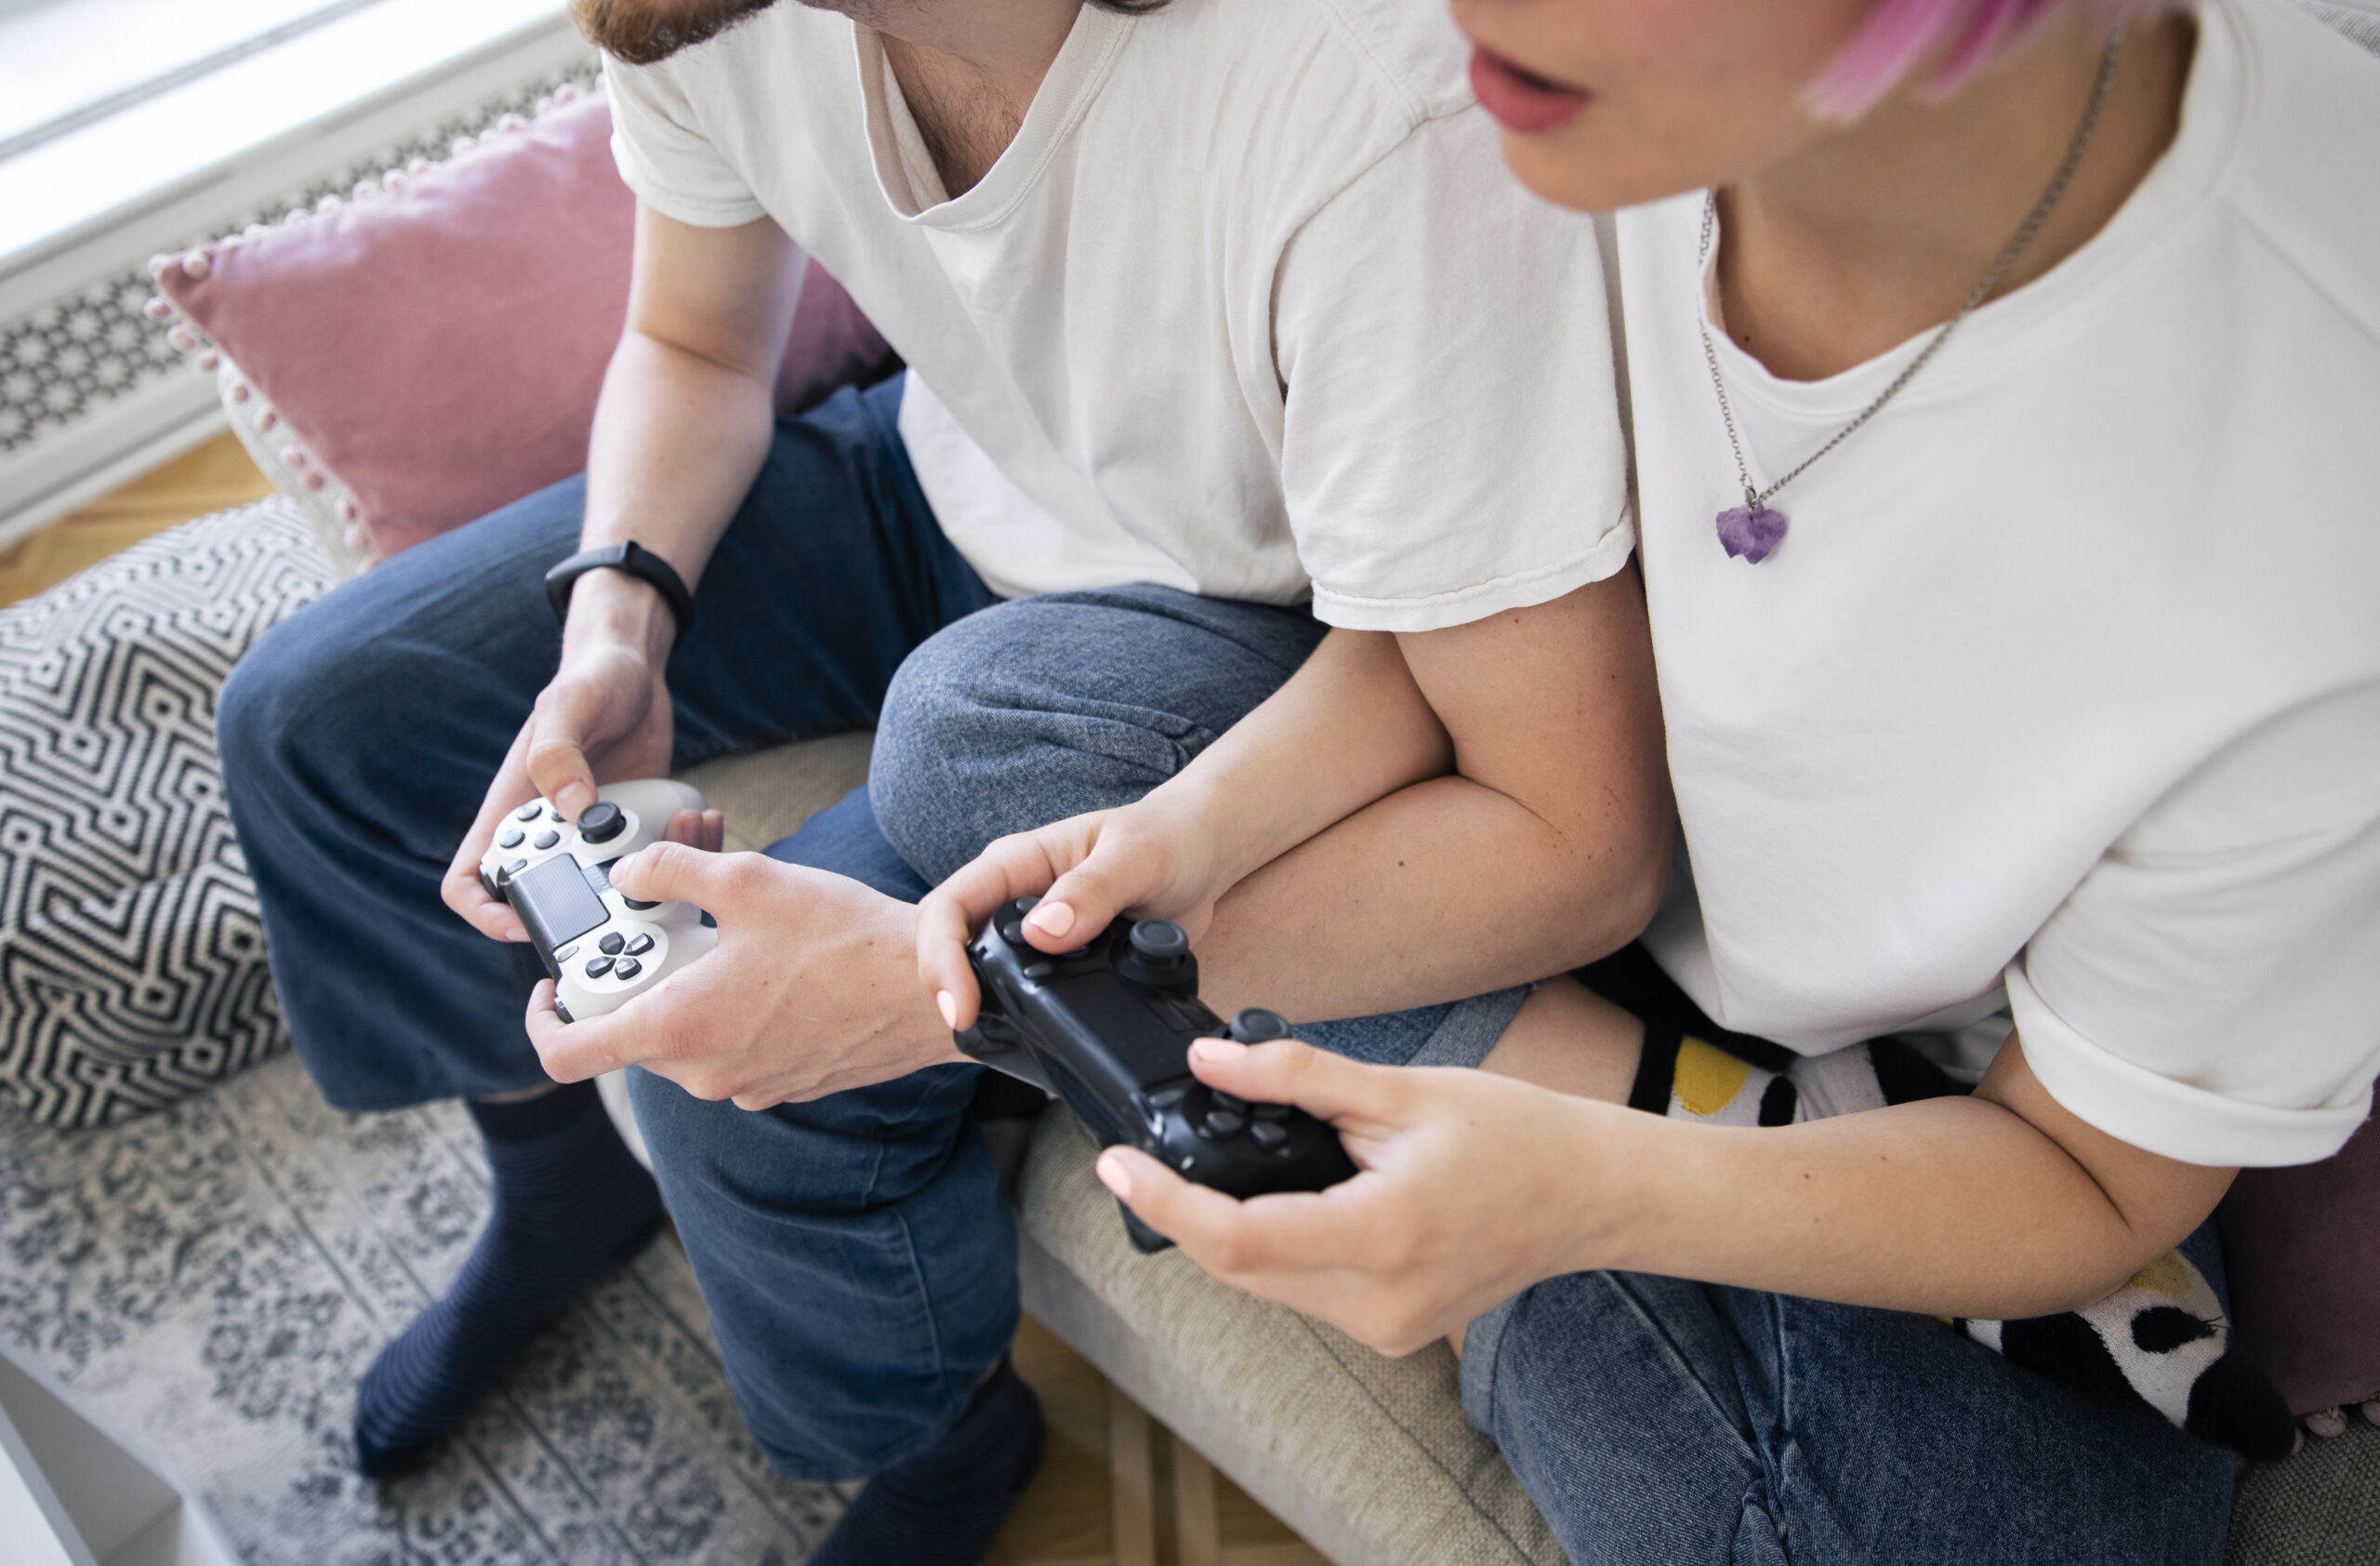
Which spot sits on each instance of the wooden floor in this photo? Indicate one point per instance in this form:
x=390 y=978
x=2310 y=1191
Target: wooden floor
x=1117 y=1489
x=215 y=475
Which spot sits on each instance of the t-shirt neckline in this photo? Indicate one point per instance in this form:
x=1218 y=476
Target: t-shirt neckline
x=904 y=172
x=2005 y=328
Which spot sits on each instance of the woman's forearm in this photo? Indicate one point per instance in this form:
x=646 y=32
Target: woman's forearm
x=1951 y=1206
x=1349 y=728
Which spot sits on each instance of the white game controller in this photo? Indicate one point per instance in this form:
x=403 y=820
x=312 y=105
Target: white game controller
x=602 y=947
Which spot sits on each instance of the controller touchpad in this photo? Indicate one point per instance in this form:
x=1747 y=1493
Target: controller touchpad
x=556 y=903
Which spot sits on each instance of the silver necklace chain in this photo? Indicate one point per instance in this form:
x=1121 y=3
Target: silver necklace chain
x=1755 y=497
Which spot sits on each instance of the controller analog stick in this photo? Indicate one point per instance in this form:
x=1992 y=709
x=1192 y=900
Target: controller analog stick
x=601 y=821
x=1254 y=1025
x=1160 y=943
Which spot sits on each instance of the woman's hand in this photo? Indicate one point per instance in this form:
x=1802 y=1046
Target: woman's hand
x=1472 y=1186
x=1152 y=858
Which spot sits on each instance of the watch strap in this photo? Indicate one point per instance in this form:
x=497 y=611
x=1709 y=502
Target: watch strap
x=638 y=562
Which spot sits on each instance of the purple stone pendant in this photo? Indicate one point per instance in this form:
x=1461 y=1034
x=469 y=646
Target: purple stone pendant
x=1751 y=533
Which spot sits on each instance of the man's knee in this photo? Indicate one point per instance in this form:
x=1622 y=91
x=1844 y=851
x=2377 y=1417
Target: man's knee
x=1044 y=708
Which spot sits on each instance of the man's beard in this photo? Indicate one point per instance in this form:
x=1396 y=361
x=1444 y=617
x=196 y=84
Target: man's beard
x=646 y=32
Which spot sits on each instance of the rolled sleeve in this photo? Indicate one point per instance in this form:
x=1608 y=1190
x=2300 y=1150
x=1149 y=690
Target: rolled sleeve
x=2211 y=990
x=664 y=156
x=1451 y=446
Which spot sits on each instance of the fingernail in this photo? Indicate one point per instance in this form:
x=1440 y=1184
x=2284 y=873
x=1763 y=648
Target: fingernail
x=1051 y=919
x=1218 y=1049
x=1112 y=1175
x=949 y=1009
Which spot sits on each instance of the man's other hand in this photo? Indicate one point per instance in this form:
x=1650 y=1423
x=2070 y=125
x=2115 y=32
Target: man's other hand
x=811 y=989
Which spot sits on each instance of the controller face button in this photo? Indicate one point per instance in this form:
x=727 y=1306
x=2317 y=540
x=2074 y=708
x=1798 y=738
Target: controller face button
x=1269 y=1134
x=529 y=812
x=1272 y=1111
x=1039 y=970
x=563 y=1011
x=509 y=838
x=546 y=840
x=1166 y=1097
x=639 y=907
x=611 y=942
x=566 y=953
x=557 y=817
x=601 y=821
x=598 y=966
x=1221 y=1123
x=1012 y=932
x=627 y=968
x=639 y=946
x=1225 y=1101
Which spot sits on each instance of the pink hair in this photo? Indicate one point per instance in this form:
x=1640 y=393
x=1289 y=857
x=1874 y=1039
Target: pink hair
x=1969 y=34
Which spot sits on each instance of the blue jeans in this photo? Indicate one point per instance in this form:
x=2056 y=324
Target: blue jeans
x=1657 y=1422
x=857 y=1262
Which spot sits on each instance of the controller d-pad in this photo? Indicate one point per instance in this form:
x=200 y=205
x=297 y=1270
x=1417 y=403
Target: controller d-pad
x=1272 y=1111
x=566 y=953
x=516 y=867
x=1269 y=1134
x=546 y=840
x=611 y=942
x=1225 y=1101
x=627 y=968
x=1013 y=932
x=529 y=812
x=639 y=946
x=598 y=966
x=1039 y=970
x=1221 y=1123
x=509 y=838
x=1166 y=1097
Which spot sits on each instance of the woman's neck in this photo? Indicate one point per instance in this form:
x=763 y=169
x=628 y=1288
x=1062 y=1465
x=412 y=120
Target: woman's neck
x=1877 y=232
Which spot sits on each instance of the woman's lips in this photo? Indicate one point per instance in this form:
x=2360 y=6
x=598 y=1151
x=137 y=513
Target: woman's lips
x=1519 y=100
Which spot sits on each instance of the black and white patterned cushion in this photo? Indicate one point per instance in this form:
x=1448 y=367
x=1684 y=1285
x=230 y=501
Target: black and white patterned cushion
x=132 y=961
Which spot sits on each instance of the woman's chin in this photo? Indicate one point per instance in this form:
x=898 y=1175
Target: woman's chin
x=1571 y=177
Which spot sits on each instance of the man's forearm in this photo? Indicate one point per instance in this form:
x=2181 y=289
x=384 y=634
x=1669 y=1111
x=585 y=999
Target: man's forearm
x=678 y=441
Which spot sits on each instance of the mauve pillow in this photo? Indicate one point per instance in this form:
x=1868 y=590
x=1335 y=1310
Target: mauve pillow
x=2302 y=1247
x=437 y=345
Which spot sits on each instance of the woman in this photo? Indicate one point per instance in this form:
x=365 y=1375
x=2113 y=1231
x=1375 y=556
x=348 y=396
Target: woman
x=2002 y=376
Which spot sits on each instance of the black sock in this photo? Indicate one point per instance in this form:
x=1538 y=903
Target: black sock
x=944 y=1507
x=571 y=1204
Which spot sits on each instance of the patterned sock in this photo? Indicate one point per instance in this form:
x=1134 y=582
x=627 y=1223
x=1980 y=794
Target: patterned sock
x=571 y=1205
x=2162 y=1338
x=944 y=1507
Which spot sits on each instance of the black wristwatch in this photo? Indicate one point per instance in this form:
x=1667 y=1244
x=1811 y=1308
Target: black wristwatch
x=638 y=562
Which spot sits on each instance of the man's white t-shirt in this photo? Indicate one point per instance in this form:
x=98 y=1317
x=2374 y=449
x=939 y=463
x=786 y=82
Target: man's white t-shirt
x=1249 y=304
x=2062 y=696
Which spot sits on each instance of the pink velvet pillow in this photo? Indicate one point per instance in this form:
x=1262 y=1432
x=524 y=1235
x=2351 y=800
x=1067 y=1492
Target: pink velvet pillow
x=431 y=348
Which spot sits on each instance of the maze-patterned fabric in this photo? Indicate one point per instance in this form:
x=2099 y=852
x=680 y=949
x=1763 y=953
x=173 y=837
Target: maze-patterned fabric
x=132 y=960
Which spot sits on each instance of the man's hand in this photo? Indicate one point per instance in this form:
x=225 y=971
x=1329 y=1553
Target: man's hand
x=1453 y=1211
x=811 y=989
x=1147 y=859
x=606 y=716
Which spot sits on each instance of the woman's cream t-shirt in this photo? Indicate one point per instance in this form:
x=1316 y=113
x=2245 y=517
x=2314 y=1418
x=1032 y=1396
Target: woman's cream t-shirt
x=2062 y=695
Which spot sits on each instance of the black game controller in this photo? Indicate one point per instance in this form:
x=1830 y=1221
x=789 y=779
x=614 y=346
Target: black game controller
x=1107 y=1028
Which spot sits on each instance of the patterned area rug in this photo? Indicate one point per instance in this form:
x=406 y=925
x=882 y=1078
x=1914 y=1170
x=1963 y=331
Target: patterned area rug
x=213 y=1279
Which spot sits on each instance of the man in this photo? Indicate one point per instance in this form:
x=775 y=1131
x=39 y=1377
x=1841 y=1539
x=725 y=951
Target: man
x=1210 y=308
